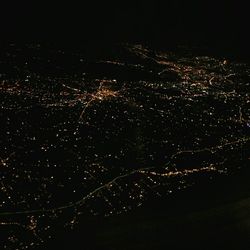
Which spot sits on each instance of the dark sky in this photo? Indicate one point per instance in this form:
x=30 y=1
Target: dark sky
x=177 y=21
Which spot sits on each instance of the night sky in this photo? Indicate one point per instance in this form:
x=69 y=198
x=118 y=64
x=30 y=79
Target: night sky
x=163 y=22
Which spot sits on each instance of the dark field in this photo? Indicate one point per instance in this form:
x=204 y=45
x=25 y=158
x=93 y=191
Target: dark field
x=123 y=147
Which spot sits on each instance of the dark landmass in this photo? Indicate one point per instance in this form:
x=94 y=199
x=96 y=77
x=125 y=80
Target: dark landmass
x=123 y=147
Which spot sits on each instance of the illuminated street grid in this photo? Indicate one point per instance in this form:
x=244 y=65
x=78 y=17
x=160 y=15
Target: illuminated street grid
x=85 y=136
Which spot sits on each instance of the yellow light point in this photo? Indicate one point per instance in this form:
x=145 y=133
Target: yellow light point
x=4 y=162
